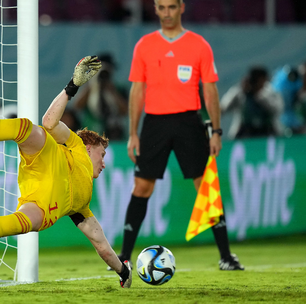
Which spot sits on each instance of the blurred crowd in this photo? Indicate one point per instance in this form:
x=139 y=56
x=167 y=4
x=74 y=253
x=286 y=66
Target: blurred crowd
x=207 y=11
x=268 y=105
x=212 y=11
x=263 y=103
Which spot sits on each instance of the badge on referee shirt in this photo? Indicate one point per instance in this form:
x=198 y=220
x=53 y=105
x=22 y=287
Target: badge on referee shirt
x=184 y=72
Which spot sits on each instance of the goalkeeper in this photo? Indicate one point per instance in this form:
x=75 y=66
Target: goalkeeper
x=56 y=172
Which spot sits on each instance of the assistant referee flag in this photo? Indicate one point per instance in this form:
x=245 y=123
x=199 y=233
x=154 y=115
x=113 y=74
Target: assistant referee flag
x=208 y=205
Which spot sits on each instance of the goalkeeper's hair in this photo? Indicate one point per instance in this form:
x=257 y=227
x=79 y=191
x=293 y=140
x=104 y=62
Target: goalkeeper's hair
x=93 y=138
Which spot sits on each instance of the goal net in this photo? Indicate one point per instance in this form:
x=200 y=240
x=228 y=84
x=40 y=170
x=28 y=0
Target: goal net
x=18 y=98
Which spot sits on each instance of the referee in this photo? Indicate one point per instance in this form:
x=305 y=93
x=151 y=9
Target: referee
x=166 y=69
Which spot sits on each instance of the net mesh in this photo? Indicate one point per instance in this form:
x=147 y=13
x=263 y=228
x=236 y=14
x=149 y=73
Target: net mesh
x=8 y=150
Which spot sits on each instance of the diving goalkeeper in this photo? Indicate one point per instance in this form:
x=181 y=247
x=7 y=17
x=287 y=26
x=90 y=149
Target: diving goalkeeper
x=56 y=172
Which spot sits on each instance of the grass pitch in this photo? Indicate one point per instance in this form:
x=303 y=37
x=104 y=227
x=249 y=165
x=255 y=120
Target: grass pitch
x=275 y=273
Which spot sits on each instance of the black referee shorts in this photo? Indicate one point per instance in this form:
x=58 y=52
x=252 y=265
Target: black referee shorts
x=184 y=133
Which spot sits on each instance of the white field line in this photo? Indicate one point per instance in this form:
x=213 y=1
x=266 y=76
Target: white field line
x=12 y=283
x=251 y=268
x=263 y=267
x=87 y=278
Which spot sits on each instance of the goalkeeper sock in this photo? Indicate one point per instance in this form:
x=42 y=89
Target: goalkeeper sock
x=13 y=224
x=221 y=237
x=135 y=215
x=17 y=129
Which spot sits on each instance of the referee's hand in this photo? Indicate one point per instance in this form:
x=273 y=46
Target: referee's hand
x=133 y=147
x=215 y=144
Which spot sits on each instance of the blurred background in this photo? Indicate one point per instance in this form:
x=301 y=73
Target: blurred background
x=244 y=34
x=260 y=53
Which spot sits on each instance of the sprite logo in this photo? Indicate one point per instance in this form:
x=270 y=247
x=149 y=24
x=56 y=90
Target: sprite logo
x=260 y=192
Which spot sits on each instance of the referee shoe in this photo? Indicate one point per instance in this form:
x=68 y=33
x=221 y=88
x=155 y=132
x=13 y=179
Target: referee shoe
x=230 y=263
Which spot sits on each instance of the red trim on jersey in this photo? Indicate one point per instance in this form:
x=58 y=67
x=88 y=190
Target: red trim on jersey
x=22 y=224
x=24 y=130
x=21 y=128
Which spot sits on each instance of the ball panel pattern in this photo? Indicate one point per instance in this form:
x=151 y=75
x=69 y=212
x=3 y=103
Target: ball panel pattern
x=155 y=265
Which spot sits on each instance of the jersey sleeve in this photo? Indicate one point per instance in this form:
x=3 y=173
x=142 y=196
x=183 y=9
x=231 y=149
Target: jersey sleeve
x=137 y=72
x=208 y=68
x=86 y=212
x=74 y=141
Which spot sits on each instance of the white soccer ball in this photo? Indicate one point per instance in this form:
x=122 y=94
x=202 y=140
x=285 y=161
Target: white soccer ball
x=155 y=265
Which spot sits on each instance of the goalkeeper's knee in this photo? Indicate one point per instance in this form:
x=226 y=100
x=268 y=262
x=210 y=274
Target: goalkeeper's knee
x=13 y=224
x=17 y=129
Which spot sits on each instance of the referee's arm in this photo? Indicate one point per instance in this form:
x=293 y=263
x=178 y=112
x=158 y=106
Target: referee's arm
x=136 y=103
x=211 y=97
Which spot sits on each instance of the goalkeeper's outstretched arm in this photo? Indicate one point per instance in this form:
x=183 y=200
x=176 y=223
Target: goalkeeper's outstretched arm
x=51 y=120
x=94 y=232
x=83 y=71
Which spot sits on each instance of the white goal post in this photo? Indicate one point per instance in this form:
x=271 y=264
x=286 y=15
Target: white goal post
x=27 y=84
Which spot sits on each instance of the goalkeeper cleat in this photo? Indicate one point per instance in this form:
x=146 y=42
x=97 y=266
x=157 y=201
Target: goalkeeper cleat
x=122 y=259
x=126 y=275
x=230 y=263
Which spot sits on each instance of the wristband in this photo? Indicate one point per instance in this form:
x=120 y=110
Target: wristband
x=71 y=88
x=218 y=131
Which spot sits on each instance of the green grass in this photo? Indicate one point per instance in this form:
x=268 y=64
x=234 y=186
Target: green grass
x=275 y=273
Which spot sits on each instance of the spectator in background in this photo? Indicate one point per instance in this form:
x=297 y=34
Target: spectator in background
x=71 y=120
x=302 y=95
x=302 y=71
x=104 y=107
x=256 y=106
x=288 y=83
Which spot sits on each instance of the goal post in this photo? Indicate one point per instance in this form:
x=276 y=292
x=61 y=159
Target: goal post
x=27 y=105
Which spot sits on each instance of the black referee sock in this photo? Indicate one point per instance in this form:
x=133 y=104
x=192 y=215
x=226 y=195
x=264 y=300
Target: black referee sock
x=221 y=238
x=135 y=215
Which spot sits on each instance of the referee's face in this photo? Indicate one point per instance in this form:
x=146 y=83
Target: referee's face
x=169 y=12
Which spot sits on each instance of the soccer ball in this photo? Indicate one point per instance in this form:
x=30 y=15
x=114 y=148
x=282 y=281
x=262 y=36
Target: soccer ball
x=155 y=265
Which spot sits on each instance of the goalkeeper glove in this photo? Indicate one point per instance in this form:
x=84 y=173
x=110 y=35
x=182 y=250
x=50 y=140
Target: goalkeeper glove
x=86 y=68
x=126 y=275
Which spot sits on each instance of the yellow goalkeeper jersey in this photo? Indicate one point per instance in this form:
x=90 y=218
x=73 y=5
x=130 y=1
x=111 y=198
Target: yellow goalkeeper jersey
x=59 y=179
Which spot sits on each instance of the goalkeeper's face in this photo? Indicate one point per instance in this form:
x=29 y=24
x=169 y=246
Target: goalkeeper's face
x=96 y=154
